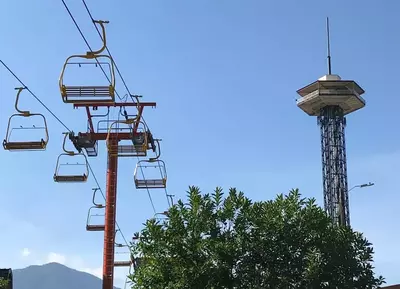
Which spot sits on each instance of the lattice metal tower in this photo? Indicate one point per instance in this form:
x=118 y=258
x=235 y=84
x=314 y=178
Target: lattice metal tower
x=330 y=98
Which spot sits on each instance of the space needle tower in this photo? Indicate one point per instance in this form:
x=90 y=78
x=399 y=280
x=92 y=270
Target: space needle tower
x=330 y=99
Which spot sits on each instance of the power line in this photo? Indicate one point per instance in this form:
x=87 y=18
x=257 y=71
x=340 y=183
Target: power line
x=63 y=124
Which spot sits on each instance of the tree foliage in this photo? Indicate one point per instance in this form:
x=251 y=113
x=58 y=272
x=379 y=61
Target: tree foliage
x=3 y=283
x=216 y=242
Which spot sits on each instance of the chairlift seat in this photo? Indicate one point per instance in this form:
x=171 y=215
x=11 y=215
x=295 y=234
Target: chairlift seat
x=122 y=263
x=128 y=150
x=151 y=184
x=79 y=94
x=70 y=179
x=95 y=228
x=150 y=181
x=32 y=145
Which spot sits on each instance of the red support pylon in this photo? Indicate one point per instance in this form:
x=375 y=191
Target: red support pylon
x=112 y=139
x=110 y=216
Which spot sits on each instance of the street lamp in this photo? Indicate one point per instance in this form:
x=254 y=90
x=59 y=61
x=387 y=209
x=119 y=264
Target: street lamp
x=165 y=214
x=362 y=186
x=342 y=217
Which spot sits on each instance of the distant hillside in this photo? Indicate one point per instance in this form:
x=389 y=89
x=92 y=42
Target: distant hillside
x=54 y=276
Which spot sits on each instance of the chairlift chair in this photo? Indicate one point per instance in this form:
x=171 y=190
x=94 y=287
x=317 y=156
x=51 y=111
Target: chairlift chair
x=138 y=143
x=141 y=175
x=94 y=227
x=61 y=177
x=119 y=263
x=89 y=225
x=124 y=263
x=12 y=145
x=90 y=94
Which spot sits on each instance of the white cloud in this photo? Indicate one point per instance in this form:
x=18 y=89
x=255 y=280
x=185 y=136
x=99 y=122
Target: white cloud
x=57 y=258
x=98 y=272
x=25 y=252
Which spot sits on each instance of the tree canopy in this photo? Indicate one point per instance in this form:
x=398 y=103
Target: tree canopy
x=3 y=283
x=215 y=242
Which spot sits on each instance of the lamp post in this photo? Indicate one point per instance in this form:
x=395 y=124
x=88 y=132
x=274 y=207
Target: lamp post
x=362 y=186
x=369 y=184
x=165 y=214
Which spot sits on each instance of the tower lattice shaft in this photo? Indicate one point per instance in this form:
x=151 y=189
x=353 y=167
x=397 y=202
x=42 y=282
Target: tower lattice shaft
x=334 y=167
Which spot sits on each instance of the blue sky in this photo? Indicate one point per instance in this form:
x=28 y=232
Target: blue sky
x=224 y=75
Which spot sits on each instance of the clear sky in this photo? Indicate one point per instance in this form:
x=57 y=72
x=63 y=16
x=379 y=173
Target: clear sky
x=224 y=75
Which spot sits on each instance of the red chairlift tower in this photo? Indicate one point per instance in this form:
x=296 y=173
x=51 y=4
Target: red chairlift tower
x=112 y=138
x=137 y=135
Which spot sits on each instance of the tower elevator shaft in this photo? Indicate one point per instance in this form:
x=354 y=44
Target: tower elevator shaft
x=334 y=167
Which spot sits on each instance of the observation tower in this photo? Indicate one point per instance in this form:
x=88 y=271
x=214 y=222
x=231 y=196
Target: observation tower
x=330 y=99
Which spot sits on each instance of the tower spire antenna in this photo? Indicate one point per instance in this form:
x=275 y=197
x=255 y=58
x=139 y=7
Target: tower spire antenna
x=329 y=47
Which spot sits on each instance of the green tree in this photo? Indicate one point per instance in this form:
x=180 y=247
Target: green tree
x=215 y=242
x=3 y=283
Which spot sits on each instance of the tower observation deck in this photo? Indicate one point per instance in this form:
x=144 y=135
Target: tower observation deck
x=330 y=98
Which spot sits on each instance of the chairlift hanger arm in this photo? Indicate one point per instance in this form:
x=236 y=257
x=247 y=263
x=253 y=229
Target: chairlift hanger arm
x=94 y=199
x=23 y=112
x=92 y=54
x=139 y=116
x=158 y=151
x=70 y=136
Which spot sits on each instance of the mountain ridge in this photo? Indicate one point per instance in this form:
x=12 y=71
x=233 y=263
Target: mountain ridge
x=54 y=275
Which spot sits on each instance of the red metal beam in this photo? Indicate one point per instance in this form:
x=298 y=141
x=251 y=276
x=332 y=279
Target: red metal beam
x=109 y=231
x=114 y=104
